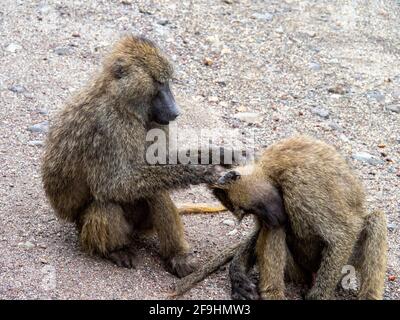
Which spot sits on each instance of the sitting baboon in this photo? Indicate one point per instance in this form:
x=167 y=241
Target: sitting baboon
x=311 y=220
x=94 y=169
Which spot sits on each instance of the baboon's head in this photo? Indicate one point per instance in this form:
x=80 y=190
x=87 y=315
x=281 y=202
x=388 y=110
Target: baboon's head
x=140 y=76
x=243 y=195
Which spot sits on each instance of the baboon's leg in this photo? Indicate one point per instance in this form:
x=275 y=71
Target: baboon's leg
x=169 y=228
x=104 y=230
x=293 y=272
x=335 y=255
x=138 y=215
x=370 y=257
x=242 y=286
x=271 y=259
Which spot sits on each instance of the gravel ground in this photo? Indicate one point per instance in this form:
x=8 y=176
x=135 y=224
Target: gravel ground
x=273 y=68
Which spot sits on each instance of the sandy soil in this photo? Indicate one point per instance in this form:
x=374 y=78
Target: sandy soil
x=327 y=68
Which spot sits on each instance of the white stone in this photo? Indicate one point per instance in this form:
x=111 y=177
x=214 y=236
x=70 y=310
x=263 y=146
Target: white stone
x=229 y=222
x=13 y=47
x=26 y=245
x=250 y=117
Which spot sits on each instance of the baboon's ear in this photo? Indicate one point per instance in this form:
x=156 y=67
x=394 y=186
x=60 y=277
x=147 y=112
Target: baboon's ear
x=231 y=176
x=271 y=209
x=119 y=68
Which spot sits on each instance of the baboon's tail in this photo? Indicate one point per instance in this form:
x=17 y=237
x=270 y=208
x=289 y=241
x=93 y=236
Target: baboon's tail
x=208 y=268
x=373 y=256
x=199 y=208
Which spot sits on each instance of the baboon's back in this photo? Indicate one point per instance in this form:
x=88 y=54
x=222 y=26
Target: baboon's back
x=313 y=174
x=63 y=167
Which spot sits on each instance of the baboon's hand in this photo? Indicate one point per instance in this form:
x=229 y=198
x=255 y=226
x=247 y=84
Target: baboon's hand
x=213 y=173
x=180 y=265
x=124 y=257
x=243 y=288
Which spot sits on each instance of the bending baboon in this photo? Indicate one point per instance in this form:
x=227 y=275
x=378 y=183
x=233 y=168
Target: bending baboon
x=311 y=219
x=94 y=170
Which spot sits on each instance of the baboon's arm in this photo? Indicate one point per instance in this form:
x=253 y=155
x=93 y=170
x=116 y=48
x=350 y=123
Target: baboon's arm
x=125 y=180
x=245 y=257
x=128 y=183
x=242 y=287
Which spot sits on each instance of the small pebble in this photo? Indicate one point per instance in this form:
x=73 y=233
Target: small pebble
x=232 y=233
x=322 y=112
x=221 y=82
x=43 y=111
x=213 y=99
x=366 y=157
x=43 y=8
x=41 y=127
x=36 y=143
x=229 y=222
x=13 y=47
x=17 y=88
x=315 y=66
x=376 y=95
x=263 y=16
x=241 y=109
x=334 y=126
x=250 y=117
x=26 y=245
x=163 y=22
x=208 y=62
x=63 y=51
x=338 y=89
x=394 y=108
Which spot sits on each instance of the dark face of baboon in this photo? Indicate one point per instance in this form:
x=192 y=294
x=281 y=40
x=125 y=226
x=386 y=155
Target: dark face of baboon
x=258 y=198
x=221 y=191
x=141 y=75
x=163 y=106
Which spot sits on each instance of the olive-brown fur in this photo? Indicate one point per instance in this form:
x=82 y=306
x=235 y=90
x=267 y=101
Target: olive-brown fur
x=321 y=226
x=328 y=226
x=94 y=171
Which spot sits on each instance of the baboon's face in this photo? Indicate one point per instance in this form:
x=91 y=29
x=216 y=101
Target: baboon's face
x=243 y=195
x=224 y=191
x=142 y=75
x=163 y=107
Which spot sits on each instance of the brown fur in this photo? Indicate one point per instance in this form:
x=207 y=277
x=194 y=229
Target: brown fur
x=327 y=226
x=94 y=171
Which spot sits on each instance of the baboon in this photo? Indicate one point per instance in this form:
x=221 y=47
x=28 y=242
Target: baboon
x=94 y=170
x=311 y=221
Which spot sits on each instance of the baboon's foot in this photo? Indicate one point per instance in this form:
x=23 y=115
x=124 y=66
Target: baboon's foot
x=180 y=265
x=124 y=257
x=243 y=288
x=272 y=294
